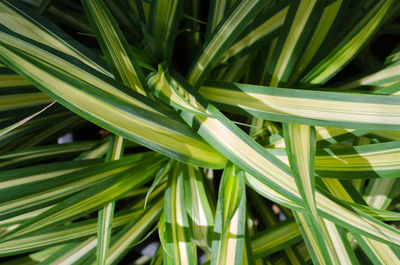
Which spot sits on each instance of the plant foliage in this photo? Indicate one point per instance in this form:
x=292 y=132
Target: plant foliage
x=202 y=132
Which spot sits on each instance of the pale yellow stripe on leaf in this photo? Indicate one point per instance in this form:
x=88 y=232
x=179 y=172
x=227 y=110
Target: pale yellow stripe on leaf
x=16 y=22
x=375 y=77
x=302 y=15
x=267 y=27
x=308 y=108
x=143 y=129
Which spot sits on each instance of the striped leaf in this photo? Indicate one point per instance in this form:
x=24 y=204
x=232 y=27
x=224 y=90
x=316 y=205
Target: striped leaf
x=330 y=109
x=39 y=29
x=176 y=232
x=264 y=27
x=88 y=200
x=379 y=192
x=218 y=9
x=198 y=208
x=10 y=102
x=131 y=233
x=84 y=91
x=326 y=24
x=377 y=252
x=275 y=238
x=349 y=46
x=223 y=36
x=271 y=177
x=335 y=252
x=72 y=253
x=115 y=46
x=165 y=20
x=30 y=155
x=16 y=125
x=375 y=249
x=296 y=31
x=106 y=214
x=69 y=232
x=230 y=220
x=358 y=162
x=300 y=146
x=382 y=77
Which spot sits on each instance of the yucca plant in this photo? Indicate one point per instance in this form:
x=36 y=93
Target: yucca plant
x=221 y=132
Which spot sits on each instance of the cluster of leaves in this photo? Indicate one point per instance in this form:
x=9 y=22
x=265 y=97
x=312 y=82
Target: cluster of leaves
x=268 y=134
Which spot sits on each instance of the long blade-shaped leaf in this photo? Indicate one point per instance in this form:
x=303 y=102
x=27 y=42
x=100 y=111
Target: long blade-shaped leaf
x=130 y=235
x=271 y=177
x=384 y=76
x=350 y=45
x=378 y=250
x=177 y=243
x=300 y=146
x=295 y=33
x=258 y=32
x=229 y=230
x=74 y=253
x=330 y=109
x=16 y=125
x=25 y=22
x=96 y=97
x=359 y=162
x=107 y=213
x=69 y=232
x=275 y=238
x=115 y=46
x=380 y=192
x=226 y=32
x=87 y=200
x=326 y=23
x=29 y=155
x=165 y=19
x=198 y=208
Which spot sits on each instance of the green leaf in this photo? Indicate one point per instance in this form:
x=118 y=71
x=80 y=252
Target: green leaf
x=30 y=155
x=296 y=30
x=349 y=46
x=387 y=254
x=200 y=216
x=16 y=125
x=382 y=77
x=16 y=101
x=39 y=29
x=115 y=46
x=131 y=233
x=165 y=18
x=106 y=214
x=306 y=107
x=271 y=177
x=258 y=32
x=275 y=238
x=380 y=192
x=326 y=24
x=102 y=100
x=377 y=252
x=177 y=244
x=69 y=232
x=223 y=36
x=9 y=79
x=229 y=230
x=88 y=200
x=72 y=253
x=300 y=147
